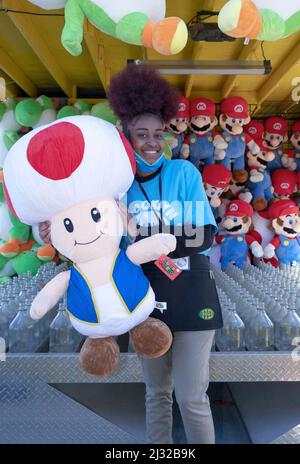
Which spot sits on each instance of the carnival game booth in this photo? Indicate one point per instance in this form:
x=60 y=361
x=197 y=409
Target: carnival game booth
x=236 y=65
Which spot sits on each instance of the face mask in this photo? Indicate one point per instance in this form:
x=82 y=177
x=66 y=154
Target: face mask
x=144 y=166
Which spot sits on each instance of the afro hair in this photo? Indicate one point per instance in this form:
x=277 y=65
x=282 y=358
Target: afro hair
x=138 y=90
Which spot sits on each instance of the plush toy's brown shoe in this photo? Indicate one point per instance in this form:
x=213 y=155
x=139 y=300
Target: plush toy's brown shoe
x=151 y=339
x=100 y=356
x=240 y=175
x=259 y=204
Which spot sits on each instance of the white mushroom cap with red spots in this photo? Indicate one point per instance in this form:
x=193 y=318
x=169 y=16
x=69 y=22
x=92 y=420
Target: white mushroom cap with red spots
x=66 y=163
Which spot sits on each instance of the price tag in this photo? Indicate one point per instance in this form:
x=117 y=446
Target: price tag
x=168 y=267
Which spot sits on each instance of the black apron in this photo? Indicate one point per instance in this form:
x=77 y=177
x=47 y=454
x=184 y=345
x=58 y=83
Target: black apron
x=190 y=302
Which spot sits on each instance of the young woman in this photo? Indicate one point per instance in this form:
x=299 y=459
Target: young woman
x=168 y=196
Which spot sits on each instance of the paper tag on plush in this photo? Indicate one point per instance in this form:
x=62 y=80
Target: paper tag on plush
x=168 y=267
x=161 y=306
x=183 y=263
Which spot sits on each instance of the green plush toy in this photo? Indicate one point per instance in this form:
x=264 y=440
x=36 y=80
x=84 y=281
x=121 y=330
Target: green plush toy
x=80 y=107
x=139 y=22
x=104 y=111
x=26 y=261
x=8 y=128
x=260 y=19
x=35 y=113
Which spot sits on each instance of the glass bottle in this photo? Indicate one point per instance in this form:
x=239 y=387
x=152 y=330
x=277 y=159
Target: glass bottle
x=22 y=331
x=231 y=336
x=62 y=338
x=260 y=331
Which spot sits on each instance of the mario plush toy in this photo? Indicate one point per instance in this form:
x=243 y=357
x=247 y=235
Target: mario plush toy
x=177 y=127
x=234 y=116
x=200 y=146
x=284 y=184
x=237 y=240
x=292 y=159
x=275 y=135
x=255 y=129
x=216 y=179
x=286 y=224
x=259 y=183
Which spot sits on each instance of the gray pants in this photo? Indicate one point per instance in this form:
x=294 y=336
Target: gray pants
x=186 y=368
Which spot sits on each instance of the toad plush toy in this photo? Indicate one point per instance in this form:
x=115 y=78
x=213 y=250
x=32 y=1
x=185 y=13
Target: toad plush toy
x=73 y=172
x=237 y=240
x=284 y=215
x=234 y=116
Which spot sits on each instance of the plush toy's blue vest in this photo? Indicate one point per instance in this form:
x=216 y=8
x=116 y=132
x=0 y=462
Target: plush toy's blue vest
x=176 y=150
x=128 y=280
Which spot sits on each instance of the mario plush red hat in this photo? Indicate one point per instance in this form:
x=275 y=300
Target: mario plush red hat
x=255 y=129
x=202 y=107
x=235 y=107
x=217 y=175
x=183 y=108
x=296 y=127
x=284 y=181
x=282 y=208
x=239 y=208
x=276 y=125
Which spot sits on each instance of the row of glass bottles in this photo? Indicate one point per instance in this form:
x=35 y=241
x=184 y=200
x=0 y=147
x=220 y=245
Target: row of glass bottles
x=266 y=302
x=21 y=333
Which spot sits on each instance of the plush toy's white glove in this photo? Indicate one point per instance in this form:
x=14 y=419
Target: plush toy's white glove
x=37 y=311
x=256 y=250
x=269 y=251
x=151 y=248
x=253 y=147
x=288 y=163
x=185 y=151
x=246 y=196
x=256 y=176
x=215 y=202
x=220 y=143
x=219 y=154
x=172 y=142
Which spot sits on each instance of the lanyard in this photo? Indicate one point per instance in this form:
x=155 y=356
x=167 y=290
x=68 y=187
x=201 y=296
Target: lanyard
x=159 y=218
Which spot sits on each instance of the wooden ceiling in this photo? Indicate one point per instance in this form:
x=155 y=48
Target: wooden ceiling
x=33 y=61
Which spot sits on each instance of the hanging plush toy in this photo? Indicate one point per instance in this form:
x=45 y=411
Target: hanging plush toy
x=35 y=113
x=259 y=183
x=139 y=22
x=284 y=184
x=291 y=160
x=234 y=116
x=216 y=179
x=8 y=128
x=275 y=135
x=177 y=127
x=73 y=180
x=260 y=19
x=199 y=147
x=237 y=241
x=286 y=225
x=80 y=107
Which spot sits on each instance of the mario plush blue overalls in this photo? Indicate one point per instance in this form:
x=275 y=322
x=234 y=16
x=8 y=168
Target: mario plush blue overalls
x=276 y=163
x=176 y=150
x=234 y=248
x=262 y=188
x=235 y=151
x=288 y=250
x=201 y=149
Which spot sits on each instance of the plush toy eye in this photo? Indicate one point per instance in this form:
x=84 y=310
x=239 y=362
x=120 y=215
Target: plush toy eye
x=241 y=121
x=291 y=222
x=96 y=216
x=234 y=120
x=235 y=219
x=68 y=225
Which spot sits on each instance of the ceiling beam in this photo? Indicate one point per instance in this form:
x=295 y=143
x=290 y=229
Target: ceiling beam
x=13 y=70
x=231 y=82
x=95 y=47
x=284 y=67
x=25 y=25
x=215 y=95
x=197 y=50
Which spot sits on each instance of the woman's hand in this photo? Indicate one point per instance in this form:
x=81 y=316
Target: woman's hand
x=45 y=231
x=151 y=248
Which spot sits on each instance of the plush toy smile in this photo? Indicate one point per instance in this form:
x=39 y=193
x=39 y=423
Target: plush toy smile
x=88 y=243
